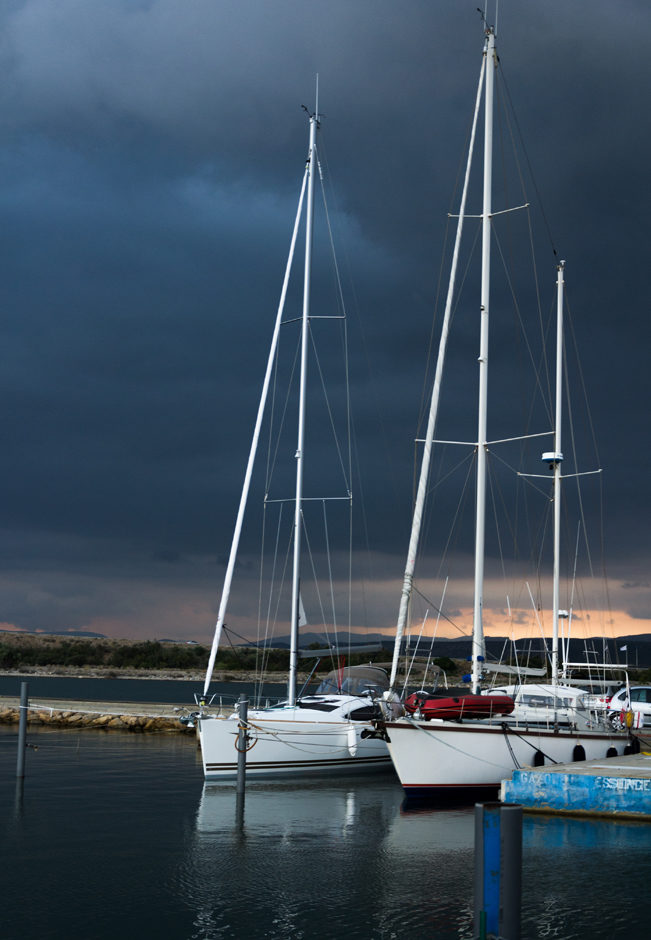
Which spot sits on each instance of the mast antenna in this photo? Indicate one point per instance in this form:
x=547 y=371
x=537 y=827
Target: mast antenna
x=314 y=114
x=482 y=13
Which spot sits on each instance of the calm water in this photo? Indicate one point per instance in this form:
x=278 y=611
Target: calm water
x=115 y=835
x=172 y=691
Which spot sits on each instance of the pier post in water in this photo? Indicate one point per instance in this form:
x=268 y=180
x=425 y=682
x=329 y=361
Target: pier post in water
x=498 y=870
x=242 y=741
x=22 y=731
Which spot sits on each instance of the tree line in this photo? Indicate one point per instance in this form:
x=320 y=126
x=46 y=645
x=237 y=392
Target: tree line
x=154 y=654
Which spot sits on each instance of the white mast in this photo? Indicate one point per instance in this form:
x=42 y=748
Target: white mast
x=311 y=170
x=478 y=645
x=433 y=412
x=226 y=590
x=557 y=460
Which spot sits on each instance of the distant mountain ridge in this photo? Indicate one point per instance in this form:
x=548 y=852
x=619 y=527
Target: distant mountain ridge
x=638 y=652
x=73 y=634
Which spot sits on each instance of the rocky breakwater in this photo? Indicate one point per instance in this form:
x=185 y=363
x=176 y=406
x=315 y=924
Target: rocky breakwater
x=159 y=719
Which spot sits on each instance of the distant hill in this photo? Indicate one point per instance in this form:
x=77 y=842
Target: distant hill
x=73 y=634
x=638 y=652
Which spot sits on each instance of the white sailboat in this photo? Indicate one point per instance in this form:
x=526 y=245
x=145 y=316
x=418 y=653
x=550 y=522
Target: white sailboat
x=434 y=755
x=326 y=732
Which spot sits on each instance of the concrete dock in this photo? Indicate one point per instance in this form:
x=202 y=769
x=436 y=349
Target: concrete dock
x=619 y=787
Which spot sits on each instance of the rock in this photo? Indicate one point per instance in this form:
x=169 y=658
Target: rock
x=100 y=721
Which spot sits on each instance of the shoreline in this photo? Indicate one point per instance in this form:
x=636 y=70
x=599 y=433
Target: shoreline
x=130 y=672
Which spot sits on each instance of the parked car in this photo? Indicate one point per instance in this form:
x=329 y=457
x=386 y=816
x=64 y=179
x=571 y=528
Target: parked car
x=599 y=701
x=640 y=703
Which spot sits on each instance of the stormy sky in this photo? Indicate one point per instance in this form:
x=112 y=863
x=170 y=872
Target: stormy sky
x=150 y=162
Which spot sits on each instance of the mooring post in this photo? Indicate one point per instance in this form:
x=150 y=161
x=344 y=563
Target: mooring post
x=511 y=889
x=498 y=870
x=22 y=731
x=242 y=739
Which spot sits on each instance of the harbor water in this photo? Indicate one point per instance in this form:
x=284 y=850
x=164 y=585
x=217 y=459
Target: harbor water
x=116 y=835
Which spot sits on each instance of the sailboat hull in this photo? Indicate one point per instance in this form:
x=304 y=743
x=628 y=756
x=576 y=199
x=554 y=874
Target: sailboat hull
x=289 y=745
x=433 y=758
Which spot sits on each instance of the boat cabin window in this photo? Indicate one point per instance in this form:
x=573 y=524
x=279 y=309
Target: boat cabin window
x=538 y=700
x=317 y=706
x=365 y=713
x=355 y=680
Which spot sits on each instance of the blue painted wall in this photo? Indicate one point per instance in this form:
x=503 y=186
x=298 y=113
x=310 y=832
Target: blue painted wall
x=579 y=792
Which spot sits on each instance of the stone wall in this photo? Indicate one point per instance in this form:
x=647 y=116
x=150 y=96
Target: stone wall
x=79 y=719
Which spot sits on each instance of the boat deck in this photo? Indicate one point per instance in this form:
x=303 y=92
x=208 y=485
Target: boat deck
x=614 y=786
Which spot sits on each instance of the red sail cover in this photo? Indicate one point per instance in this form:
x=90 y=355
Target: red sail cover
x=465 y=706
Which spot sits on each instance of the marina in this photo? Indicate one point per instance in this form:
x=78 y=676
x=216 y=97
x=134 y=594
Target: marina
x=496 y=788
x=618 y=786
x=107 y=816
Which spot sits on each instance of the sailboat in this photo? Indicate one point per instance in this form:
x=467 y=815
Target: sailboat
x=329 y=731
x=462 y=745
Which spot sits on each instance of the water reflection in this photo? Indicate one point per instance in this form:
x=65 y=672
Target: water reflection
x=317 y=859
x=111 y=816
x=314 y=860
x=550 y=833
x=19 y=798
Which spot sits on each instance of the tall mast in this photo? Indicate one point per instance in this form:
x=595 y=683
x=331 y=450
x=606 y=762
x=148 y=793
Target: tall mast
x=478 y=645
x=423 y=479
x=300 y=456
x=557 y=460
x=253 y=450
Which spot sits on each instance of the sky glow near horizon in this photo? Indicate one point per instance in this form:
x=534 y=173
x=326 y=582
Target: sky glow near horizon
x=151 y=157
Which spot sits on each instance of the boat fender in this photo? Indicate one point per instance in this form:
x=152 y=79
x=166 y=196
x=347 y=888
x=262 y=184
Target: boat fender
x=633 y=747
x=352 y=740
x=539 y=759
x=578 y=753
x=611 y=752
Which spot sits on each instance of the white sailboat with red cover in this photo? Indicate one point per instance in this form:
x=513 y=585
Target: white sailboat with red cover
x=441 y=746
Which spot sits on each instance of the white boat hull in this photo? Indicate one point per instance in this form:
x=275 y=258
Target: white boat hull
x=435 y=757
x=288 y=746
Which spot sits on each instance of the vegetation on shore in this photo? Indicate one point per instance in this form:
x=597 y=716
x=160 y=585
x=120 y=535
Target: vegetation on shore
x=57 y=651
x=38 y=651
x=20 y=651
x=48 y=651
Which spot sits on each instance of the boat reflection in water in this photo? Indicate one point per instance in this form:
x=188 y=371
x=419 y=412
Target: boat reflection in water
x=321 y=859
x=351 y=858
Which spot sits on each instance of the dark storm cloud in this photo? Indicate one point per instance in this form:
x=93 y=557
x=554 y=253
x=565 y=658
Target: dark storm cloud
x=150 y=159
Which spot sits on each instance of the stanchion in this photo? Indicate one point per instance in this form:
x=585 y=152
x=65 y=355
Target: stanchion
x=22 y=730
x=498 y=870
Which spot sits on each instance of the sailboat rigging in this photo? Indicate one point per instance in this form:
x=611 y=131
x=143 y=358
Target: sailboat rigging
x=476 y=740
x=330 y=730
